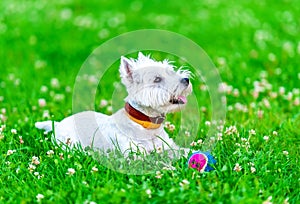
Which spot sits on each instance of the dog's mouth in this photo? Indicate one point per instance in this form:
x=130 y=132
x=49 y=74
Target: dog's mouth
x=178 y=100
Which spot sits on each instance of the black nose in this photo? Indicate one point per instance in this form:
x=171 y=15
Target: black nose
x=185 y=81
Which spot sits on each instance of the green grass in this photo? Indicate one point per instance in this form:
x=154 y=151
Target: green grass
x=248 y=41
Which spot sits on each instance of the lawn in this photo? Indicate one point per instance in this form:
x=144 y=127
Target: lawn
x=255 y=47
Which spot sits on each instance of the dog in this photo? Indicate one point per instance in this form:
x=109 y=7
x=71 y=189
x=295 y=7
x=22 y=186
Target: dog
x=154 y=89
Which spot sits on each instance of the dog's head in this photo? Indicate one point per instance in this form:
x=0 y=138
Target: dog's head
x=154 y=85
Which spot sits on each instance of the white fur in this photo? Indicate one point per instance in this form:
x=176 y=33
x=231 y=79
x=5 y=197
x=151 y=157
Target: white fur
x=108 y=133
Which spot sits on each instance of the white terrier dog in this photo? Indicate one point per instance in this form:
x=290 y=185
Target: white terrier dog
x=154 y=89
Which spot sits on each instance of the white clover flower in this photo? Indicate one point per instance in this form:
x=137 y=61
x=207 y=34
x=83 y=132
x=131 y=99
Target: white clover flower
x=260 y=114
x=286 y=153
x=2 y=128
x=70 y=171
x=220 y=127
x=296 y=91
x=237 y=167
x=297 y=101
x=250 y=163
x=109 y=108
x=46 y=114
x=17 y=82
x=184 y=183
x=231 y=130
x=193 y=144
x=39 y=197
x=272 y=57
x=220 y=136
x=273 y=94
x=281 y=90
x=266 y=103
x=44 y=89
x=31 y=167
x=21 y=140
x=54 y=83
x=59 y=97
x=266 y=138
x=149 y=193
x=268 y=201
x=171 y=127
x=38 y=64
x=42 y=102
x=10 y=152
x=187 y=133
x=104 y=33
x=252 y=169
x=3 y=111
x=207 y=123
x=275 y=133
x=236 y=92
x=244 y=139
x=50 y=152
x=212 y=139
x=13 y=131
x=221 y=61
x=158 y=175
x=35 y=160
x=203 y=87
x=94 y=169
x=103 y=103
x=225 y=88
x=167 y=123
x=66 y=13
x=68 y=89
x=200 y=142
x=286 y=201
x=289 y=96
x=18 y=170
x=255 y=94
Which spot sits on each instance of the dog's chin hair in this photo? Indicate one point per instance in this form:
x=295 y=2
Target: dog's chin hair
x=170 y=108
x=173 y=108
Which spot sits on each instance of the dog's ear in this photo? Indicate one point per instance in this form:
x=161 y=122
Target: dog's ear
x=126 y=69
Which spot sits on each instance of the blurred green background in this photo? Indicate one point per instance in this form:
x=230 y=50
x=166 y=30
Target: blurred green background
x=58 y=35
x=44 y=39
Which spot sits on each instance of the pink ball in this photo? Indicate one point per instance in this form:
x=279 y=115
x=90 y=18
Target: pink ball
x=198 y=161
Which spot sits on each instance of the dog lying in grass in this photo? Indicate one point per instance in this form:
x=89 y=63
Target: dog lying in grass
x=154 y=89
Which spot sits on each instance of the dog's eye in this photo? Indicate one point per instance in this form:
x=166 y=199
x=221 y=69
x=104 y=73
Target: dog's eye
x=157 y=79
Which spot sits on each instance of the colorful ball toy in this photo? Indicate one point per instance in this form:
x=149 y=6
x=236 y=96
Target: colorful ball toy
x=201 y=161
